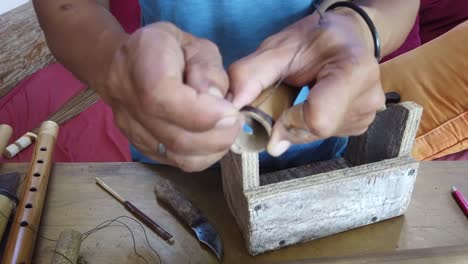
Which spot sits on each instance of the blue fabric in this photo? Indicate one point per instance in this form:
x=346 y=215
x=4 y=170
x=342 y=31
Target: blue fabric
x=238 y=27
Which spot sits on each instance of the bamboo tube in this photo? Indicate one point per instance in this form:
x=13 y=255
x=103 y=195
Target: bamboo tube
x=261 y=115
x=20 y=245
x=8 y=200
x=5 y=135
x=67 y=250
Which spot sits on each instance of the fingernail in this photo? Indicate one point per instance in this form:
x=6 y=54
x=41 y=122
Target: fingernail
x=227 y=121
x=278 y=148
x=215 y=92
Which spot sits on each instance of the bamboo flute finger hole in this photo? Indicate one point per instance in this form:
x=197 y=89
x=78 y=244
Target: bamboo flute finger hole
x=37 y=174
x=40 y=161
x=43 y=149
x=33 y=189
x=28 y=205
x=24 y=223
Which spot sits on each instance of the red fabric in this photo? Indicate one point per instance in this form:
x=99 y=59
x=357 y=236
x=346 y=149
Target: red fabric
x=439 y=16
x=89 y=137
x=462 y=155
x=127 y=13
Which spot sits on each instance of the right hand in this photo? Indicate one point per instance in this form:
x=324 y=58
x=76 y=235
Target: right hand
x=167 y=86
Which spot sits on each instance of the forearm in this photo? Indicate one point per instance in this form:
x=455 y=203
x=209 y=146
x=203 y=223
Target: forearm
x=82 y=35
x=393 y=19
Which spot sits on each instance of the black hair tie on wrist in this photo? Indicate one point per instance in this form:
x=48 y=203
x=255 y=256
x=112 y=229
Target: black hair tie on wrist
x=368 y=20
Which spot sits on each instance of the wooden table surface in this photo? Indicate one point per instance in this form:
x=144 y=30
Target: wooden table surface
x=75 y=201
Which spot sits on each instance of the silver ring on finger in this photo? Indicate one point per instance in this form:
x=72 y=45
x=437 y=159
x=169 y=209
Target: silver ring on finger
x=161 y=149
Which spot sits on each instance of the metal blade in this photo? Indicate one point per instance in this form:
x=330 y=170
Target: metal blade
x=208 y=236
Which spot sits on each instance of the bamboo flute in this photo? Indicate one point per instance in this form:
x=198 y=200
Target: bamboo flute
x=261 y=115
x=23 y=234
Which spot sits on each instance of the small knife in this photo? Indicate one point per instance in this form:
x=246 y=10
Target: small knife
x=189 y=214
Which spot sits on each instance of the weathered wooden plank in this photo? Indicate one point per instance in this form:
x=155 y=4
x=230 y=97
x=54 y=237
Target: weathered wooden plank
x=295 y=205
x=308 y=208
x=235 y=167
x=391 y=134
x=303 y=171
x=23 y=49
x=412 y=125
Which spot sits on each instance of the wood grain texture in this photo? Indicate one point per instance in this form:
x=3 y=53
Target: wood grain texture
x=235 y=184
x=176 y=201
x=23 y=49
x=23 y=234
x=309 y=208
x=438 y=255
x=297 y=204
x=303 y=171
x=74 y=201
x=68 y=246
x=392 y=134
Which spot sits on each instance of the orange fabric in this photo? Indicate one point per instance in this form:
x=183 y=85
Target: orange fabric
x=435 y=76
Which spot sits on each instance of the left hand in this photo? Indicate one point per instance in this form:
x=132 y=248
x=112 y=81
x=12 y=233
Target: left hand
x=339 y=55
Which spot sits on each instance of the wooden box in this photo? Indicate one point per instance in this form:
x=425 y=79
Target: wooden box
x=372 y=183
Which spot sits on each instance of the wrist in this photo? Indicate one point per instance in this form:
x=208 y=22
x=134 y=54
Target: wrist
x=361 y=27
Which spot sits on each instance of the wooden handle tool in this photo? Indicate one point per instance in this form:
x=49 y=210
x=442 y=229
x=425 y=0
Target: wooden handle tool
x=138 y=213
x=190 y=215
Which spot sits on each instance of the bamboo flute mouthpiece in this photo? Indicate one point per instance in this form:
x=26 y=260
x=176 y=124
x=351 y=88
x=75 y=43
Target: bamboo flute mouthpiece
x=261 y=115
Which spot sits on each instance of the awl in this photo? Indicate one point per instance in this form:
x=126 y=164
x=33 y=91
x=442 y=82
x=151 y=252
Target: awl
x=190 y=215
x=137 y=213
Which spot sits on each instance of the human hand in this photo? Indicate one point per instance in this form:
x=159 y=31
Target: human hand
x=167 y=86
x=338 y=55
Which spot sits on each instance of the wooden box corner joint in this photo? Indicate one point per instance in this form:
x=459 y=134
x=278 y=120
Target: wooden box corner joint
x=371 y=183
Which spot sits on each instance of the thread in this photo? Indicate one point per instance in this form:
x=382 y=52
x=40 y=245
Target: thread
x=100 y=226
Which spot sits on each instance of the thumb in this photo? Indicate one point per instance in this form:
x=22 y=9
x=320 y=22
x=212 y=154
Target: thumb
x=316 y=118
